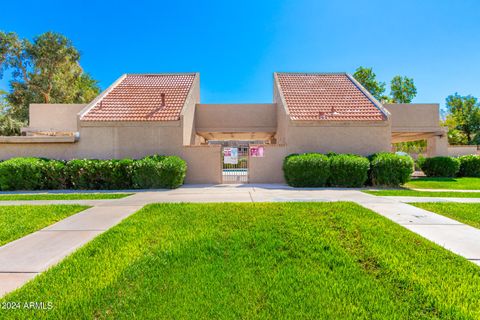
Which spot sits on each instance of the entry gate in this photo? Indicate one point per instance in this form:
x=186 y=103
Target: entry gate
x=235 y=164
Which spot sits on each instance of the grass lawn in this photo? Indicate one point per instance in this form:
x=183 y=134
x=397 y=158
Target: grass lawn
x=260 y=260
x=63 y=196
x=445 y=183
x=415 y=193
x=18 y=221
x=468 y=213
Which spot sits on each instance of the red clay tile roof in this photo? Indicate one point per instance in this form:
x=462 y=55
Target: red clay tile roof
x=333 y=97
x=139 y=98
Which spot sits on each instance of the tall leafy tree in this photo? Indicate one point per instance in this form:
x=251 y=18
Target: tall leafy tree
x=46 y=70
x=464 y=116
x=402 y=89
x=8 y=125
x=368 y=79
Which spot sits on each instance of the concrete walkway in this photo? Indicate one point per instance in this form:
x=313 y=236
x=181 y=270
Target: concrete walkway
x=24 y=258
x=432 y=199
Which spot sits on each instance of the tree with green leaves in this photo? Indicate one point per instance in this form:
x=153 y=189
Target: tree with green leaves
x=368 y=79
x=46 y=70
x=464 y=116
x=8 y=125
x=402 y=89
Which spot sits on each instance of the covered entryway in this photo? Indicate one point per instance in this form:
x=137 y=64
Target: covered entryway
x=235 y=127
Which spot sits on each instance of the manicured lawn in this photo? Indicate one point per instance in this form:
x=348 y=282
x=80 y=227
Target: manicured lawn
x=445 y=183
x=18 y=221
x=63 y=196
x=468 y=213
x=261 y=260
x=415 y=193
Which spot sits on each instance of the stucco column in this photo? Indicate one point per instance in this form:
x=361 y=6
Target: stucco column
x=437 y=146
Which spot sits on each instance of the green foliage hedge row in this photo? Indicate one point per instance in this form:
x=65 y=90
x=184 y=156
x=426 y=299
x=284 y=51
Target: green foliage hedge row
x=440 y=166
x=44 y=174
x=380 y=169
x=464 y=166
x=346 y=170
x=469 y=166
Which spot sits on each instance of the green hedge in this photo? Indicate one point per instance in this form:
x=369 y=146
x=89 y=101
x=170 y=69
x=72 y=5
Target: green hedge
x=44 y=174
x=440 y=166
x=388 y=169
x=469 y=166
x=158 y=172
x=306 y=170
x=31 y=174
x=348 y=170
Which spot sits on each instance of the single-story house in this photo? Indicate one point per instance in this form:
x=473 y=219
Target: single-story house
x=144 y=114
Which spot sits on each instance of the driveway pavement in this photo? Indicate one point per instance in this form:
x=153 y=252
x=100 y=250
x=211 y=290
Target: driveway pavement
x=24 y=258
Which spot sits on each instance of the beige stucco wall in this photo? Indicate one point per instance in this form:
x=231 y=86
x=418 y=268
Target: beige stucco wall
x=359 y=138
x=268 y=169
x=129 y=139
x=60 y=151
x=204 y=164
x=54 y=117
x=414 y=117
x=259 y=117
x=459 y=150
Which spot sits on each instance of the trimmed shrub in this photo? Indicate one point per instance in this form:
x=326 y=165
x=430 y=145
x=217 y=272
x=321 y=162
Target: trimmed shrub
x=31 y=174
x=440 y=166
x=116 y=174
x=348 y=170
x=53 y=174
x=84 y=174
x=38 y=173
x=306 y=170
x=158 y=172
x=99 y=174
x=390 y=169
x=469 y=166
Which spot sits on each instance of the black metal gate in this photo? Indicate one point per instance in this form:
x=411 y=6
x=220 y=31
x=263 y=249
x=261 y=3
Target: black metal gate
x=235 y=164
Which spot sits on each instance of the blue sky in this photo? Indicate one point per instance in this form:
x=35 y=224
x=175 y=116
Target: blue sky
x=237 y=45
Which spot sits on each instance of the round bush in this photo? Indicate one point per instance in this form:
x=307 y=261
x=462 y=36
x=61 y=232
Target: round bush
x=158 y=172
x=306 y=170
x=347 y=170
x=469 y=166
x=440 y=166
x=390 y=169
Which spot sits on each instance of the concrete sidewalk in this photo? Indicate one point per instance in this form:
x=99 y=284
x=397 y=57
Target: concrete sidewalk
x=22 y=259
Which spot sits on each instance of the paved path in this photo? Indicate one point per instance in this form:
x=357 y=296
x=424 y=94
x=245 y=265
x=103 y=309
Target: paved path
x=432 y=199
x=24 y=258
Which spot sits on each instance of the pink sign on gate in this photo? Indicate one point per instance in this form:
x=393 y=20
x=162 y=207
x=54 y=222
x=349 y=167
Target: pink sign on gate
x=256 y=151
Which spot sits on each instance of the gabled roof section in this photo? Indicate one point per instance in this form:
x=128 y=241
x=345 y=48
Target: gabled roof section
x=328 y=96
x=140 y=97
